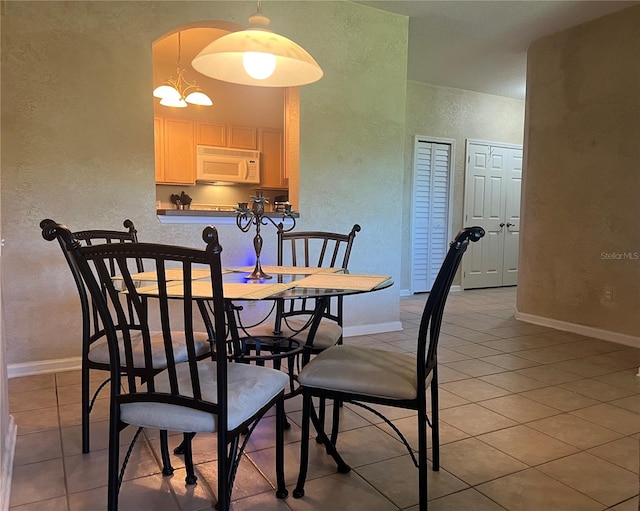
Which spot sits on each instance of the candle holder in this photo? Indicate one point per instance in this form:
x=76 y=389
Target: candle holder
x=246 y=217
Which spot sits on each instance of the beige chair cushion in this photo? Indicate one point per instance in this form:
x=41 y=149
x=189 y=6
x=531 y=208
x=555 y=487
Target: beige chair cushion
x=327 y=335
x=365 y=371
x=249 y=388
x=99 y=352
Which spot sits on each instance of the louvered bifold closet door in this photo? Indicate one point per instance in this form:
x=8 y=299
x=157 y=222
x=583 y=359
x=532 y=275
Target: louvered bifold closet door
x=430 y=212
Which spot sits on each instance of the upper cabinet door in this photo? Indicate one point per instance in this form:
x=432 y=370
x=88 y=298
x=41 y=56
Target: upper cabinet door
x=179 y=164
x=158 y=135
x=243 y=137
x=272 y=158
x=211 y=133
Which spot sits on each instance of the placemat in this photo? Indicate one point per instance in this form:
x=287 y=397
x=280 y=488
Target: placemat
x=237 y=291
x=232 y=290
x=171 y=273
x=342 y=281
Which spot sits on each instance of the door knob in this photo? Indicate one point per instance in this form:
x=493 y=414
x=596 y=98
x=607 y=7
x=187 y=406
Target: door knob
x=502 y=225
x=509 y=224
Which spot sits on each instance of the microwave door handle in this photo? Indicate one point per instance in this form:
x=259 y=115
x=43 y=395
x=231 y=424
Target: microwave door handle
x=244 y=169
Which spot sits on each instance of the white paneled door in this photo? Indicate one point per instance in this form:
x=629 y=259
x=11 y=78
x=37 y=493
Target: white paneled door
x=430 y=211
x=492 y=201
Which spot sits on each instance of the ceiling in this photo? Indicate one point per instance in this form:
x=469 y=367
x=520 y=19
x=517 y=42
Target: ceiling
x=482 y=45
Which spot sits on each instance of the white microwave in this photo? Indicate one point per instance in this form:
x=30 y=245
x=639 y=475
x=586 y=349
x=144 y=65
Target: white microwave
x=221 y=164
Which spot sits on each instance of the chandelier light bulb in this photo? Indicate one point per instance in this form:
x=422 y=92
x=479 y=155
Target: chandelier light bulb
x=173 y=102
x=166 y=92
x=259 y=65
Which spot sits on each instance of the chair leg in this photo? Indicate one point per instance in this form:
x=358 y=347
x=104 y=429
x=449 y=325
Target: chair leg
x=227 y=467
x=86 y=423
x=179 y=451
x=435 y=422
x=223 y=479
x=422 y=477
x=167 y=469
x=343 y=468
x=285 y=419
x=281 y=490
x=321 y=413
x=113 y=485
x=188 y=459
x=335 y=426
x=291 y=368
x=298 y=492
x=422 y=458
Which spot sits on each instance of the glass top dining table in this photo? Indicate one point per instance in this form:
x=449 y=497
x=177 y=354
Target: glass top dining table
x=288 y=282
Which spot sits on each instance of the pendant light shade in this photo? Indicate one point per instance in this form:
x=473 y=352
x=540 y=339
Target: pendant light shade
x=257 y=56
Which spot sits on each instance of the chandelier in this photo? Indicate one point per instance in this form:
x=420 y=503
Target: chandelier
x=179 y=92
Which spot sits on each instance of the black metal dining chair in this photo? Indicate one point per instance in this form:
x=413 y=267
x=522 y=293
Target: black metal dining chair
x=359 y=375
x=321 y=250
x=213 y=395
x=95 y=351
x=310 y=249
x=294 y=318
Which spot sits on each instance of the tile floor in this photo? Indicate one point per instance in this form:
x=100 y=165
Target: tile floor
x=532 y=419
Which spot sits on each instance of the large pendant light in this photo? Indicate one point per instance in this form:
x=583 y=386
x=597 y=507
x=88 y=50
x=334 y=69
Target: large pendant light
x=179 y=92
x=257 y=56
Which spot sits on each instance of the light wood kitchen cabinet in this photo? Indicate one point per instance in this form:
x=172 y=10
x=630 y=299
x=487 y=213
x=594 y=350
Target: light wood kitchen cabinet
x=158 y=137
x=211 y=133
x=242 y=137
x=175 y=151
x=272 y=173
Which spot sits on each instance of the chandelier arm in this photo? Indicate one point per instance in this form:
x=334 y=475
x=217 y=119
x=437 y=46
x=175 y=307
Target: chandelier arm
x=182 y=85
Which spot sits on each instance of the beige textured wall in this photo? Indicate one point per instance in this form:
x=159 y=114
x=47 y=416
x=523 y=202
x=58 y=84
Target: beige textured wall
x=77 y=144
x=581 y=191
x=454 y=114
x=7 y=427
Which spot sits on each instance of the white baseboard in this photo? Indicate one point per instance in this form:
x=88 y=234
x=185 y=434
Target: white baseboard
x=588 y=331
x=352 y=331
x=71 y=364
x=407 y=292
x=43 y=367
x=7 y=464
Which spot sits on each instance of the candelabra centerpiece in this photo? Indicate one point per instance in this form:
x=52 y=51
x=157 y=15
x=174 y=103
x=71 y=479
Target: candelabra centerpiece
x=246 y=217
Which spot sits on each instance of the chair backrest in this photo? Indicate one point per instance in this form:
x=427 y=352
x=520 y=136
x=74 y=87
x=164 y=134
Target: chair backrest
x=434 y=308
x=99 y=236
x=92 y=328
x=314 y=249
x=93 y=263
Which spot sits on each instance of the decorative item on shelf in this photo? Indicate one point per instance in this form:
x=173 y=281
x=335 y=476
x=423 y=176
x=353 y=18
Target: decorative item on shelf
x=257 y=56
x=280 y=203
x=175 y=92
x=246 y=217
x=182 y=201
